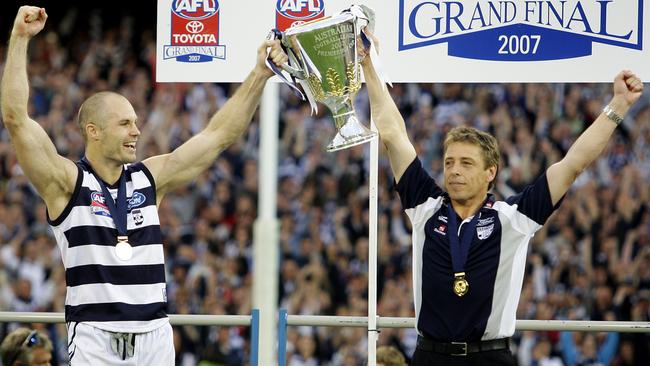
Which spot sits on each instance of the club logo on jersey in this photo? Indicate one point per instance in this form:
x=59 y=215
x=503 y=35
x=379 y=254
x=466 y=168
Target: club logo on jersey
x=289 y=13
x=138 y=218
x=98 y=204
x=136 y=200
x=194 y=32
x=484 y=232
x=520 y=30
x=441 y=229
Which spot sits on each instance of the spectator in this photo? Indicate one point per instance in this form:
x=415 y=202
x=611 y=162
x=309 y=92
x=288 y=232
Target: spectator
x=390 y=356
x=26 y=347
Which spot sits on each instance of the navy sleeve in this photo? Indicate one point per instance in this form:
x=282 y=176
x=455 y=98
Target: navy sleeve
x=535 y=200
x=416 y=186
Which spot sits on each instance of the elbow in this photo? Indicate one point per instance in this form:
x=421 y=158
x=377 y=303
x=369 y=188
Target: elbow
x=8 y=117
x=568 y=169
x=12 y=116
x=389 y=135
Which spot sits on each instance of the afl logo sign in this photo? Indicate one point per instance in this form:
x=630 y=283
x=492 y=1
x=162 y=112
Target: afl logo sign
x=194 y=32
x=294 y=12
x=195 y=9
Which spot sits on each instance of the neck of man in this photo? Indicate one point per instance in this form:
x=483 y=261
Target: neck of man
x=108 y=170
x=469 y=207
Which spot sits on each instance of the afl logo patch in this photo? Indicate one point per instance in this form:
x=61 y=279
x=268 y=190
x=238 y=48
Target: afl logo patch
x=98 y=204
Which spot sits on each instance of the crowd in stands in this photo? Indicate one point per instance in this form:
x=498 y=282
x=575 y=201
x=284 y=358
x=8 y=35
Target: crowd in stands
x=590 y=262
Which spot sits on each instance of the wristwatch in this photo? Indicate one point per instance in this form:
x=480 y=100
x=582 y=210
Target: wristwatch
x=609 y=112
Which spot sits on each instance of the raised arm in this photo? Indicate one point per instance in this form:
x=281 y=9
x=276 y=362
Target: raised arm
x=389 y=122
x=53 y=176
x=190 y=159
x=627 y=90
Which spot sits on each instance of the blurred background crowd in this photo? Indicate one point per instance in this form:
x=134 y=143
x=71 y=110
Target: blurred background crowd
x=590 y=262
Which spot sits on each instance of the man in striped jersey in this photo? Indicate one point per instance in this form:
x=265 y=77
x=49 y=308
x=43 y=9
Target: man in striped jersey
x=103 y=209
x=469 y=250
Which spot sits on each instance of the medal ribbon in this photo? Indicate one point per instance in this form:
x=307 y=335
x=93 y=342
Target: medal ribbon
x=116 y=209
x=459 y=248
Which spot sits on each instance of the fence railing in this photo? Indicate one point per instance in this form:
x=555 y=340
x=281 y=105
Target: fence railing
x=286 y=320
x=252 y=321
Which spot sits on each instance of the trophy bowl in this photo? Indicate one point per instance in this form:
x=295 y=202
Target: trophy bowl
x=323 y=57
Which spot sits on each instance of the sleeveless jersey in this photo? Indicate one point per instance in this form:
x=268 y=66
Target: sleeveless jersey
x=102 y=290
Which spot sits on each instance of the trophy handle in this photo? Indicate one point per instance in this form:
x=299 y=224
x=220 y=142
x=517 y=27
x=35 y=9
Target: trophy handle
x=293 y=71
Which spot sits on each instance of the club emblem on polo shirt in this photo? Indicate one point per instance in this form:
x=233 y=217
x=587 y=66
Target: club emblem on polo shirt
x=98 y=204
x=484 y=232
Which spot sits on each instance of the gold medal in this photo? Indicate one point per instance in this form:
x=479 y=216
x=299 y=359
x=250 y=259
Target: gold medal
x=123 y=249
x=461 y=286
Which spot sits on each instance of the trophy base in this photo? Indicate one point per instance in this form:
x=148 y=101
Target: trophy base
x=351 y=134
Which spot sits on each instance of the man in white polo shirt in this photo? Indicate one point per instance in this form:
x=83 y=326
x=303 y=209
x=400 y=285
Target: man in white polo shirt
x=469 y=250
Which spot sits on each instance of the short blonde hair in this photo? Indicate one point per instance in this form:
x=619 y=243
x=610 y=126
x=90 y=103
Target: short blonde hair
x=390 y=356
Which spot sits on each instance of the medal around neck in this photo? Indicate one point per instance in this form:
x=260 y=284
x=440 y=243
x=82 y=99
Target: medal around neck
x=123 y=249
x=461 y=286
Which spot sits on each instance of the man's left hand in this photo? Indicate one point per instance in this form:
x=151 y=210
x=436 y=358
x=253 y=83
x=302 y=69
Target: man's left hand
x=275 y=55
x=628 y=87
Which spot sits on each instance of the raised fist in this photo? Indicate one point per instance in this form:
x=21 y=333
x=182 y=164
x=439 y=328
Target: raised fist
x=628 y=86
x=29 y=21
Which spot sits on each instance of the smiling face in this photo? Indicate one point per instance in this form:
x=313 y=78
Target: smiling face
x=109 y=122
x=120 y=132
x=466 y=175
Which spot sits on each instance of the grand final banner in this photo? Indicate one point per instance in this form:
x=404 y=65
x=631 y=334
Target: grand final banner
x=420 y=40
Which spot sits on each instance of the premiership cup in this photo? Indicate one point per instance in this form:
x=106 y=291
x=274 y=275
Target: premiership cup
x=323 y=58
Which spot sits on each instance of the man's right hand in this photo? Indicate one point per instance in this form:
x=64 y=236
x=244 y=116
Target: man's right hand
x=29 y=21
x=364 y=53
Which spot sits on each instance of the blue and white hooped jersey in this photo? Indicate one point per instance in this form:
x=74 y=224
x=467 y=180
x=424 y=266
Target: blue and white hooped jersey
x=495 y=263
x=102 y=290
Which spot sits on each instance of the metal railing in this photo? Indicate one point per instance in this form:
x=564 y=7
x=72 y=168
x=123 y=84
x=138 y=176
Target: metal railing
x=252 y=320
x=286 y=320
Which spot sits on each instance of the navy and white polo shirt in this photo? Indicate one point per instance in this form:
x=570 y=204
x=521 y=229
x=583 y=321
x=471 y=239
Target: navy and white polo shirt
x=495 y=263
x=102 y=290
